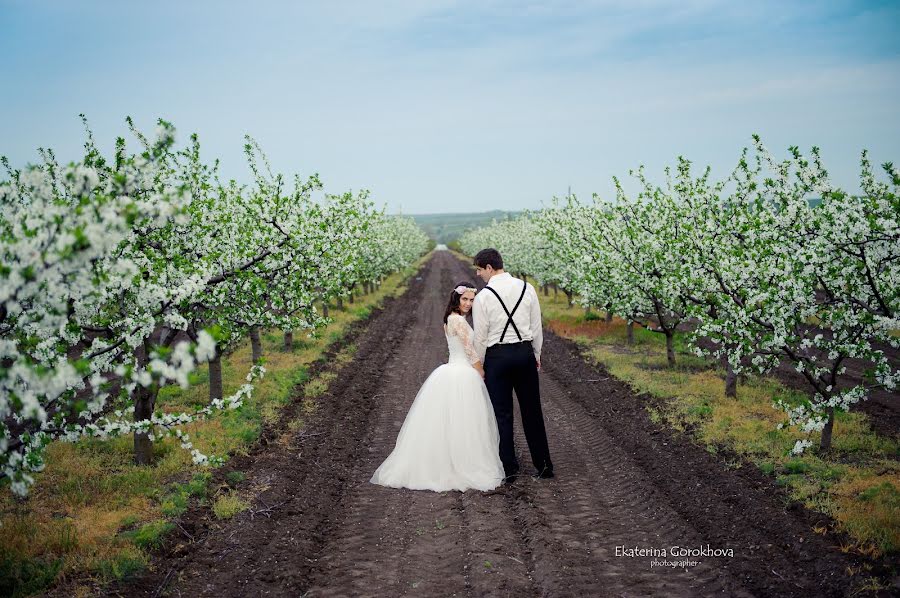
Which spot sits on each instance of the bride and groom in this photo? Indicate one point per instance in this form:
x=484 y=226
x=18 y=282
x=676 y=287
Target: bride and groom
x=458 y=433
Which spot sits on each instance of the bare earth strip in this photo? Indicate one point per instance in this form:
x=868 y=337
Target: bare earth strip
x=621 y=481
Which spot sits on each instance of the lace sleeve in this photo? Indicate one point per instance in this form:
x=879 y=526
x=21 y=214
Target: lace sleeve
x=458 y=327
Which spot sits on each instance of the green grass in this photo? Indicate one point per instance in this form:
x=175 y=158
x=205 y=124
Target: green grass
x=150 y=535
x=124 y=564
x=26 y=576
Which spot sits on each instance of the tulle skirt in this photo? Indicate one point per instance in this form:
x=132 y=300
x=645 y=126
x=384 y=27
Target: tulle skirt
x=449 y=440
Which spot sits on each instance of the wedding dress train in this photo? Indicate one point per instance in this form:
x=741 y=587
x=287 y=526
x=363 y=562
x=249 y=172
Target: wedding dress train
x=449 y=440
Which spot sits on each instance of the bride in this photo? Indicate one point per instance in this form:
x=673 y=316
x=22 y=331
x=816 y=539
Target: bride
x=449 y=440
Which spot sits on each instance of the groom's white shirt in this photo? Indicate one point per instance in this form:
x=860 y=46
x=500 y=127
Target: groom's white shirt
x=489 y=317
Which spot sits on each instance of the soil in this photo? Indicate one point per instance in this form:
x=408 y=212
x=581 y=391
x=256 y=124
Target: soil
x=317 y=527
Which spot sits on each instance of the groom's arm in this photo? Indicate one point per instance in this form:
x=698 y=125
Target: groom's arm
x=537 y=332
x=480 y=326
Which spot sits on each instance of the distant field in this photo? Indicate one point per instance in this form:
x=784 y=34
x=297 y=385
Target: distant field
x=444 y=228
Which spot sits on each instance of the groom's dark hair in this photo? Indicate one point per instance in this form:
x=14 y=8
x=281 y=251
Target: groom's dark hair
x=488 y=257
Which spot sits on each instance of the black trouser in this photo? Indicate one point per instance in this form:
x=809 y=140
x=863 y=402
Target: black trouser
x=508 y=368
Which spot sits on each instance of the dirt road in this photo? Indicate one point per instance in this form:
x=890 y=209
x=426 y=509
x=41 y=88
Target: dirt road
x=318 y=528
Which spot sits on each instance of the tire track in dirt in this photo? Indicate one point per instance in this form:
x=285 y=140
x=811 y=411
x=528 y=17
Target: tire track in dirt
x=621 y=480
x=425 y=543
x=406 y=529
x=599 y=500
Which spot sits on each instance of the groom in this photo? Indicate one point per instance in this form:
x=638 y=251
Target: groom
x=508 y=339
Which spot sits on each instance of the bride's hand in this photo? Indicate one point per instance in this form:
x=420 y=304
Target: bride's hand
x=478 y=368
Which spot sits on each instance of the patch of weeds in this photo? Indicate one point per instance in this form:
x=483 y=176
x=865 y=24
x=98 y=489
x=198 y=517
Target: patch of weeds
x=790 y=480
x=346 y=354
x=150 y=535
x=317 y=386
x=796 y=466
x=701 y=411
x=767 y=467
x=26 y=576
x=198 y=484
x=122 y=565
x=234 y=477
x=884 y=491
x=229 y=505
x=174 y=504
x=64 y=539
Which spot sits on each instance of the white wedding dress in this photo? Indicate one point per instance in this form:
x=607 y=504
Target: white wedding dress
x=449 y=440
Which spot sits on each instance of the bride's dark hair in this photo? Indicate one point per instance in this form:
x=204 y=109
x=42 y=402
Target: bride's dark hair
x=453 y=304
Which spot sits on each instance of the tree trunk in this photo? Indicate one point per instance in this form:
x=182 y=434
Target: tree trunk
x=144 y=403
x=255 y=345
x=555 y=291
x=587 y=311
x=731 y=380
x=166 y=335
x=546 y=291
x=630 y=329
x=670 y=347
x=825 y=443
x=609 y=316
x=325 y=308
x=340 y=303
x=569 y=296
x=215 y=377
x=289 y=340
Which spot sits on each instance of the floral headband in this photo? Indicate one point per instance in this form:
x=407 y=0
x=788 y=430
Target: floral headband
x=461 y=289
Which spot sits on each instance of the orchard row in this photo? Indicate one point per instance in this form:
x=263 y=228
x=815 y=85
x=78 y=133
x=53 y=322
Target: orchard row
x=121 y=274
x=773 y=263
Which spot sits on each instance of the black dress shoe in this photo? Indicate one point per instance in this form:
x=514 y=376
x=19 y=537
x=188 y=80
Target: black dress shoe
x=545 y=474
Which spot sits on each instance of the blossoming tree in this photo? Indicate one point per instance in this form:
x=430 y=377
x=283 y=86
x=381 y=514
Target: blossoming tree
x=119 y=276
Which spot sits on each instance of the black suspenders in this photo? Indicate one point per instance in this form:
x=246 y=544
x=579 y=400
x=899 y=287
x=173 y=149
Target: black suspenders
x=509 y=314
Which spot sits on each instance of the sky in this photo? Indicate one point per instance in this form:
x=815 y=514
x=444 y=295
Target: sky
x=446 y=106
